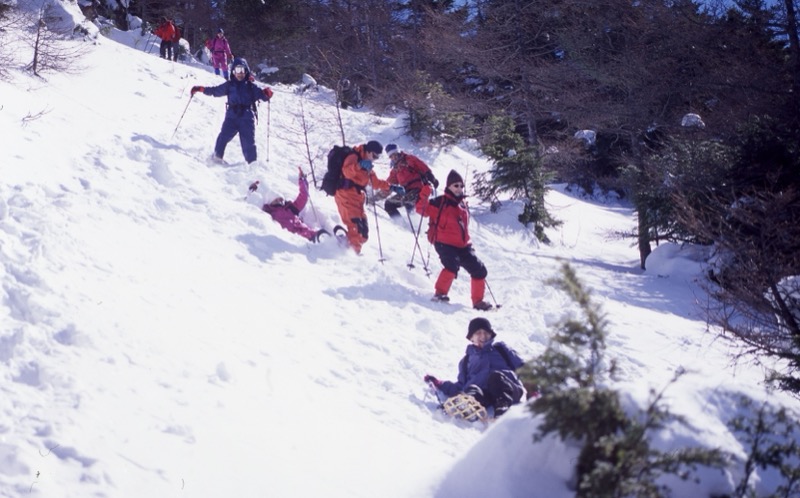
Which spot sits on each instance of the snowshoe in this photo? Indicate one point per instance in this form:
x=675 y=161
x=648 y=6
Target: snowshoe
x=340 y=234
x=318 y=235
x=482 y=306
x=465 y=407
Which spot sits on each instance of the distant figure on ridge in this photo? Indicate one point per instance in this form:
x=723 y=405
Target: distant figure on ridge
x=349 y=94
x=448 y=231
x=220 y=53
x=165 y=31
x=240 y=116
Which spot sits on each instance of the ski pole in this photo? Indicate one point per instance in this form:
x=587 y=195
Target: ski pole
x=435 y=391
x=310 y=201
x=377 y=226
x=426 y=261
x=498 y=306
x=148 y=44
x=416 y=244
x=181 y=119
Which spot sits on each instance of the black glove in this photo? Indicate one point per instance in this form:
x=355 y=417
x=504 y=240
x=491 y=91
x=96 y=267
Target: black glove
x=429 y=178
x=254 y=186
x=433 y=380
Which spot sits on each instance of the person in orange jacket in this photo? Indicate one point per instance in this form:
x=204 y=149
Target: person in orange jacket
x=350 y=197
x=165 y=31
x=448 y=231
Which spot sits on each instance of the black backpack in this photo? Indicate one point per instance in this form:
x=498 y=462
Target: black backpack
x=333 y=177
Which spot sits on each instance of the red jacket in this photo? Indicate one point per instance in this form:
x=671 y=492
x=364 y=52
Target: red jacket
x=166 y=31
x=449 y=218
x=409 y=171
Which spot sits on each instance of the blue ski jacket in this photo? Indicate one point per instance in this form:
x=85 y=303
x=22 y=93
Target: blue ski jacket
x=478 y=363
x=241 y=97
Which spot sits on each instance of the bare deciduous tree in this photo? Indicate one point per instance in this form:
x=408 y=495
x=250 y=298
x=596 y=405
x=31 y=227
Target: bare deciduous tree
x=53 y=48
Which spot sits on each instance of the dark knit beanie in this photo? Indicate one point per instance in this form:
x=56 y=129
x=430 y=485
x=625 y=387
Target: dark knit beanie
x=454 y=177
x=479 y=323
x=374 y=147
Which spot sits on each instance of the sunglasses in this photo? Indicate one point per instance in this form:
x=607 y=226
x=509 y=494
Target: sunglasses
x=238 y=70
x=457 y=185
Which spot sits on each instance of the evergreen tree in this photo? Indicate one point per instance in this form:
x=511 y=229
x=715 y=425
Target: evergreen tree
x=518 y=170
x=577 y=402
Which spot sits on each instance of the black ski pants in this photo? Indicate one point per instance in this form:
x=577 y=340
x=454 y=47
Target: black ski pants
x=453 y=258
x=502 y=390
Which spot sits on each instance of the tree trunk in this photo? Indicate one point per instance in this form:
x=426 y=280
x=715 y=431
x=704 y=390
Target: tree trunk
x=644 y=240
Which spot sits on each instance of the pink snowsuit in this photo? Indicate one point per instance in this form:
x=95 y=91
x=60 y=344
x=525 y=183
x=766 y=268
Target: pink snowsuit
x=220 y=52
x=286 y=213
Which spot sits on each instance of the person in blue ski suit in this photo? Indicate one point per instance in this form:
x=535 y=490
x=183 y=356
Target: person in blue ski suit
x=486 y=371
x=240 y=116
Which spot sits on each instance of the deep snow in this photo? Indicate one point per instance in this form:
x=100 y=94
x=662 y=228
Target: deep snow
x=161 y=336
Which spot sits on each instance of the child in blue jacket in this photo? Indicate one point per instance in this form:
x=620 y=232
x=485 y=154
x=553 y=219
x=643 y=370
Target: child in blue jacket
x=487 y=370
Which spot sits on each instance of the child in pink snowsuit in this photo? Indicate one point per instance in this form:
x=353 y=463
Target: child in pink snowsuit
x=287 y=213
x=220 y=53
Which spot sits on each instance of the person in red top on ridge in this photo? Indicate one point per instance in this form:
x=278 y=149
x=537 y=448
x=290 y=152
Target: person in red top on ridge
x=165 y=31
x=448 y=231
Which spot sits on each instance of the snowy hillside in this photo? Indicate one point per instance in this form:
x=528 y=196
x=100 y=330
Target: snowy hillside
x=161 y=336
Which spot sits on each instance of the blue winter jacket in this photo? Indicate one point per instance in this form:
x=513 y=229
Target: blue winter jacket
x=476 y=366
x=241 y=96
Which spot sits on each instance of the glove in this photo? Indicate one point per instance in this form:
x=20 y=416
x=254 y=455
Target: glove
x=365 y=164
x=300 y=171
x=433 y=380
x=254 y=186
x=398 y=189
x=196 y=89
x=425 y=192
x=429 y=178
x=267 y=93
